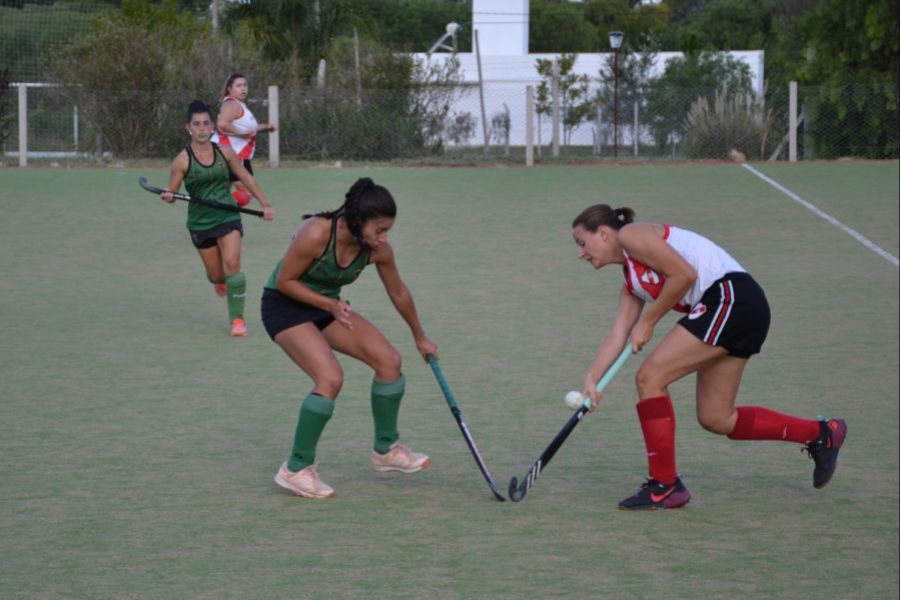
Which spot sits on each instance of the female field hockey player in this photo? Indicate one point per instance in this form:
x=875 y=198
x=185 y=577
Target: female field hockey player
x=726 y=321
x=304 y=314
x=203 y=166
x=237 y=128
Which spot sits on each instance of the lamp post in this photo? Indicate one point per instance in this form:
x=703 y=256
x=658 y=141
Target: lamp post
x=615 y=42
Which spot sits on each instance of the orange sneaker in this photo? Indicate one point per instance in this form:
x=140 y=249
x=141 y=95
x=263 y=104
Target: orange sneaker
x=221 y=289
x=238 y=328
x=304 y=482
x=400 y=458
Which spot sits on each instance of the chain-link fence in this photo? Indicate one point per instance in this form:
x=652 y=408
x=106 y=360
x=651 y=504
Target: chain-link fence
x=467 y=123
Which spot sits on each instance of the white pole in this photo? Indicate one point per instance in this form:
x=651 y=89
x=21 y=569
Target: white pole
x=792 y=121
x=23 y=125
x=556 y=108
x=635 y=132
x=274 y=149
x=529 y=125
x=484 y=126
x=75 y=126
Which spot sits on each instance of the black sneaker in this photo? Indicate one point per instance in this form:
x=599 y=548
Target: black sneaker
x=654 y=495
x=825 y=450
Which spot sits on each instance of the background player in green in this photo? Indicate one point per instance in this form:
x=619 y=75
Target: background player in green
x=204 y=167
x=304 y=314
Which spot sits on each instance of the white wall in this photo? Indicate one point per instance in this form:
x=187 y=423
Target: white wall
x=506 y=76
x=502 y=26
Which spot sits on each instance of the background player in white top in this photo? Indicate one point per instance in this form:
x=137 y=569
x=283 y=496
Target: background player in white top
x=727 y=321
x=237 y=128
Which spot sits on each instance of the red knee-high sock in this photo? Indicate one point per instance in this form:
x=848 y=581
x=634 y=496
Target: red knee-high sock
x=658 y=424
x=757 y=423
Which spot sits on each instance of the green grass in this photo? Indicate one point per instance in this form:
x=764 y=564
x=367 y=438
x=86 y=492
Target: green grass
x=138 y=442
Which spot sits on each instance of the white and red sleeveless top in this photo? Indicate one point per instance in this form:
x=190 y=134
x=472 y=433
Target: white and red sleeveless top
x=246 y=123
x=709 y=260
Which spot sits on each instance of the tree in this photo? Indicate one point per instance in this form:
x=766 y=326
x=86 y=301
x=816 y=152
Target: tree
x=5 y=105
x=559 y=27
x=134 y=72
x=635 y=82
x=574 y=100
x=641 y=23
x=853 y=54
x=683 y=82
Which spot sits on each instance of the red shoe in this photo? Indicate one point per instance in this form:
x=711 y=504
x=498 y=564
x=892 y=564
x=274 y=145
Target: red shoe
x=238 y=328
x=221 y=289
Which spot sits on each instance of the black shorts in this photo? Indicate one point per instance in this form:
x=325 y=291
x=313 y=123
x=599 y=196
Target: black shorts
x=247 y=165
x=280 y=312
x=207 y=238
x=733 y=313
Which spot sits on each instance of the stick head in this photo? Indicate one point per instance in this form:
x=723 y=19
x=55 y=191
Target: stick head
x=516 y=492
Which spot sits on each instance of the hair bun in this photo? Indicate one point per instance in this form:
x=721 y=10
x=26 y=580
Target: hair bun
x=362 y=184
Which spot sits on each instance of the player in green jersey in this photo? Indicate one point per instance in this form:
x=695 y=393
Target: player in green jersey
x=204 y=168
x=305 y=315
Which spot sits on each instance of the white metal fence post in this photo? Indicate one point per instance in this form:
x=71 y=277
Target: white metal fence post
x=555 y=108
x=529 y=125
x=23 y=125
x=792 y=121
x=274 y=150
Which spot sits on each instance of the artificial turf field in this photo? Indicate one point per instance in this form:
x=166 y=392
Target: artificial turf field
x=138 y=441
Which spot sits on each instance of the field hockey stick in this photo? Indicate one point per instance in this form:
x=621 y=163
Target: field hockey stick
x=451 y=402
x=517 y=490
x=212 y=203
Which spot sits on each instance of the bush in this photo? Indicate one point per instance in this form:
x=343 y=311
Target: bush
x=703 y=74
x=134 y=74
x=325 y=126
x=732 y=122
x=6 y=103
x=854 y=120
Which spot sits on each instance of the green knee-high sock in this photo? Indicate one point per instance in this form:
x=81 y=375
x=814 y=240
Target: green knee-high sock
x=385 y=406
x=236 y=290
x=314 y=414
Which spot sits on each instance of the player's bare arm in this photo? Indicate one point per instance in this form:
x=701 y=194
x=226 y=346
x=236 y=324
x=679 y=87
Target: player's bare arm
x=627 y=315
x=402 y=299
x=645 y=243
x=176 y=176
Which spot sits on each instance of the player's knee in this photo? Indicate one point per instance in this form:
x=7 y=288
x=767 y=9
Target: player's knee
x=232 y=266
x=330 y=384
x=389 y=365
x=716 y=423
x=648 y=382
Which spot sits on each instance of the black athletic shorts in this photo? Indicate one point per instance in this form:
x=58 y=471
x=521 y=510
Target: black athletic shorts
x=247 y=165
x=207 y=238
x=280 y=312
x=733 y=313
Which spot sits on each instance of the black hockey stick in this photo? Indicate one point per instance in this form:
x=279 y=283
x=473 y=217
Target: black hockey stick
x=517 y=489
x=211 y=203
x=451 y=401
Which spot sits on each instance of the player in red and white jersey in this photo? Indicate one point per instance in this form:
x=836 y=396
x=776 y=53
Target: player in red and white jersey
x=237 y=128
x=668 y=268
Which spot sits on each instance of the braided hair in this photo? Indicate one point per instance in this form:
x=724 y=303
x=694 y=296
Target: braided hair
x=602 y=214
x=363 y=202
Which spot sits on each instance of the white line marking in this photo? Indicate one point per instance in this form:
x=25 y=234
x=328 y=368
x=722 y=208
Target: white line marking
x=855 y=234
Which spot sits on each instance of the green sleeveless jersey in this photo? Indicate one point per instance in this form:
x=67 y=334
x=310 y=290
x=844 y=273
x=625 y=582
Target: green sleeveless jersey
x=209 y=182
x=324 y=275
